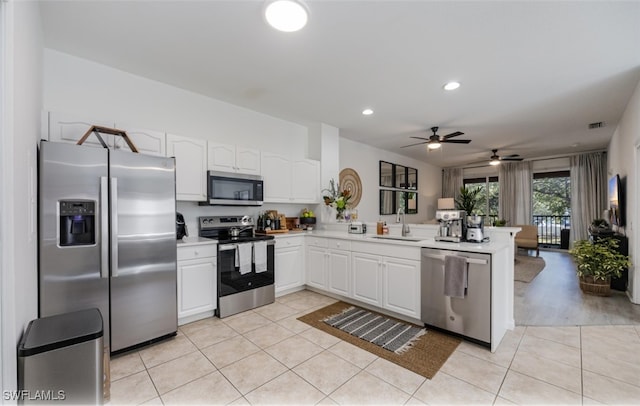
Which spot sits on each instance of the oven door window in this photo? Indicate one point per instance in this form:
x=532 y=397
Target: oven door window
x=230 y=280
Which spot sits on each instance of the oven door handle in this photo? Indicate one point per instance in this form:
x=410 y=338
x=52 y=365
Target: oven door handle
x=227 y=247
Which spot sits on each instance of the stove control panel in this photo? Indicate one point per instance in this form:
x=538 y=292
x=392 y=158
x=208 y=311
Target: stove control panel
x=208 y=222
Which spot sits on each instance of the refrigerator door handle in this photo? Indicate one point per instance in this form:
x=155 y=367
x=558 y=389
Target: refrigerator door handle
x=114 y=227
x=104 y=227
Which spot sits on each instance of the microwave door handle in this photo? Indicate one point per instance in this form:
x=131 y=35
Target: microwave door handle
x=114 y=227
x=104 y=227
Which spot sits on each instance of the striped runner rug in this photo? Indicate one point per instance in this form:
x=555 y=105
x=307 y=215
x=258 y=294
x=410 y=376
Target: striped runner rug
x=392 y=335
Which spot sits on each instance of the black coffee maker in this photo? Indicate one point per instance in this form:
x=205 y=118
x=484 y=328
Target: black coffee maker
x=181 y=227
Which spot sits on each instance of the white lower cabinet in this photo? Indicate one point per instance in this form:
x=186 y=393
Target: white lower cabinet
x=339 y=267
x=289 y=262
x=401 y=282
x=197 y=284
x=367 y=279
x=317 y=267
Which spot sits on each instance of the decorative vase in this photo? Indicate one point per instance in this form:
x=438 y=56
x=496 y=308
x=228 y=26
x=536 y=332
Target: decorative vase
x=340 y=215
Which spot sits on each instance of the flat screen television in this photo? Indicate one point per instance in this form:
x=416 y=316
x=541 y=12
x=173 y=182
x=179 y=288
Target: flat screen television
x=616 y=201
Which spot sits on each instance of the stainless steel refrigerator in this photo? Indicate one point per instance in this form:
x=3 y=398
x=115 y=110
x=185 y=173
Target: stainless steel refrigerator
x=107 y=239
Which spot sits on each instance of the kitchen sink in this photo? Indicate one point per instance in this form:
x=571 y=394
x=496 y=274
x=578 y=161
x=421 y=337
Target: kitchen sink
x=398 y=238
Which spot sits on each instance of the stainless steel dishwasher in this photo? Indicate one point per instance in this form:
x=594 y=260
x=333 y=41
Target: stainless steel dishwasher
x=469 y=316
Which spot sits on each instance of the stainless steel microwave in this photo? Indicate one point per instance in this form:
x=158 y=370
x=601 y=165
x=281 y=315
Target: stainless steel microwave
x=231 y=189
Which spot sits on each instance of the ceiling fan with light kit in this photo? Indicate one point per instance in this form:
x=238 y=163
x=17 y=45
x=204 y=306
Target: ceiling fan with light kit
x=435 y=141
x=495 y=159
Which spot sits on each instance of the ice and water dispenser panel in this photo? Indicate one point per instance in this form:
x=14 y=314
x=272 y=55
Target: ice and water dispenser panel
x=77 y=222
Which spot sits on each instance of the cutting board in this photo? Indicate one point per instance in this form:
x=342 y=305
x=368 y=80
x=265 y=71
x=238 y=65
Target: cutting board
x=272 y=232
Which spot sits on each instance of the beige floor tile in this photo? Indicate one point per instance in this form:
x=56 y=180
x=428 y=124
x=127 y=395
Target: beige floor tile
x=414 y=401
x=240 y=402
x=353 y=354
x=229 y=351
x=483 y=374
x=155 y=401
x=293 y=296
x=548 y=370
x=210 y=389
x=619 y=334
x=276 y=311
x=589 y=401
x=626 y=371
x=327 y=401
x=292 y=323
x=210 y=335
x=366 y=389
x=167 y=350
x=552 y=350
x=286 y=389
x=326 y=371
x=319 y=337
x=401 y=378
x=309 y=303
x=197 y=325
x=133 y=390
x=522 y=389
x=293 y=351
x=245 y=322
x=569 y=335
x=504 y=353
x=268 y=335
x=444 y=389
x=253 y=371
x=125 y=365
x=608 y=390
x=172 y=374
x=502 y=402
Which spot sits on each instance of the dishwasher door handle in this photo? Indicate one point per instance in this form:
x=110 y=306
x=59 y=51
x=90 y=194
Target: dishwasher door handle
x=469 y=260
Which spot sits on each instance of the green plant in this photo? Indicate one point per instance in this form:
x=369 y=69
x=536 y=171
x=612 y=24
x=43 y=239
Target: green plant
x=468 y=198
x=599 y=260
x=500 y=223
x=599 y=223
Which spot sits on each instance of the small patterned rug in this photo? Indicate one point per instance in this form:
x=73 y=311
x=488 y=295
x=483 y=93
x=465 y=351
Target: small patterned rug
x=389 y=334
x=425 y=356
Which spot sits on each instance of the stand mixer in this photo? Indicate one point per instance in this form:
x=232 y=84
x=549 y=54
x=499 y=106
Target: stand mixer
x=452 y=225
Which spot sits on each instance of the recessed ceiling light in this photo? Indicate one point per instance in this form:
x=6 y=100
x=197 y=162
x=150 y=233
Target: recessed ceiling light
x=286 y=15
x=451 y=86
x=367 y=112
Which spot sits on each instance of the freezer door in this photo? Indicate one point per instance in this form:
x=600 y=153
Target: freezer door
x=143 y=254
x=73 y=268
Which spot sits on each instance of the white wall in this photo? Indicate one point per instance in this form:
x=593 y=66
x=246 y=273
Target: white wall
x=365 y=159
x=21 y=105
x=75 y=85
x=624 y=159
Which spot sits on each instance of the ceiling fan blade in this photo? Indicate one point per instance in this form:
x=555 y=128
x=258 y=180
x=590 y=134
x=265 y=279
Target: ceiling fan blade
x=506 y=158
x=455 y=134
x=456 y=141
x=511 y=156
x=420 y=138
x=412 y=145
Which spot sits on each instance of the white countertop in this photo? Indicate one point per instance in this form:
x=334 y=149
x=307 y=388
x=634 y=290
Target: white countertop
x=428 y=242
x=195 y=240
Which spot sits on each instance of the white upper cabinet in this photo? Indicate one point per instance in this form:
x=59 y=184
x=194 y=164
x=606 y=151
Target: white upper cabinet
x=232 y=158
x=149 y=142
x=191 y=166
x=290 y=181
x=64 y=127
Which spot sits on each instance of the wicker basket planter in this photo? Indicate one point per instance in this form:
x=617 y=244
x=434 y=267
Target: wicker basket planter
x=596 y=287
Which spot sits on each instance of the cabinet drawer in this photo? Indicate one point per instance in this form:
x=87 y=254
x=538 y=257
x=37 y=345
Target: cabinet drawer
x=317 y=242
x=340 y=244
x=197 y=251
x=289 y=242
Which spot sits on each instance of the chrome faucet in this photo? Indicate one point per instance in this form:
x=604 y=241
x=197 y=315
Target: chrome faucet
x=405 y=227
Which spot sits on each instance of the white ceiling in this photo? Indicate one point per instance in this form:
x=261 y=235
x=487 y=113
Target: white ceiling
x=534 y=74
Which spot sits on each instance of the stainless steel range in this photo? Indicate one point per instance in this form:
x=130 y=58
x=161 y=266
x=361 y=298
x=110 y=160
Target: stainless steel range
x=246 y=263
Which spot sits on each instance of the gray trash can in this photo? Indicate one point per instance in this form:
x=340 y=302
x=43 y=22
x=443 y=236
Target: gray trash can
x=60 y=359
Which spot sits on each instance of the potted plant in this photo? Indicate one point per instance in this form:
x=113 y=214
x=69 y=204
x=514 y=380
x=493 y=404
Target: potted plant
x=599 y=226
x=500 y=223
x=596 y=263
x=468 y=198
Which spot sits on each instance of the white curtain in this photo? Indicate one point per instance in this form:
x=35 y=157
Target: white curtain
x=452 y=181
x=588 y=192
x=515 y=192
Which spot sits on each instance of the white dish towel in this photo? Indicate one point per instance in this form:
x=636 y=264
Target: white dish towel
x=260 y=255
x=243 y=257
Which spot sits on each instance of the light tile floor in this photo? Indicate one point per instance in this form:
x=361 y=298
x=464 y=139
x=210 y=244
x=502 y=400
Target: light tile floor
x=266 y=356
